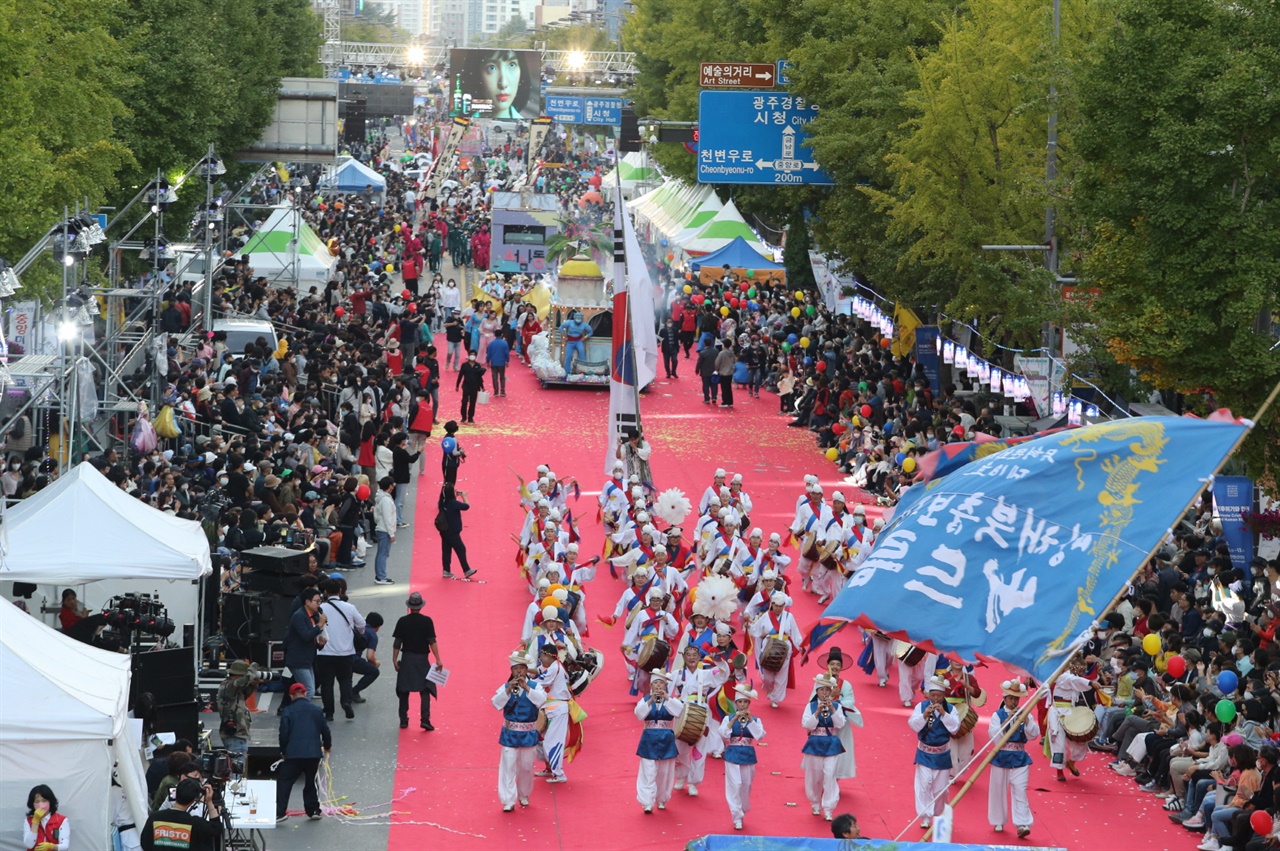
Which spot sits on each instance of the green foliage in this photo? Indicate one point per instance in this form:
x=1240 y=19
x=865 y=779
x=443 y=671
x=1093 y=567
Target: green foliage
x=1181 y=175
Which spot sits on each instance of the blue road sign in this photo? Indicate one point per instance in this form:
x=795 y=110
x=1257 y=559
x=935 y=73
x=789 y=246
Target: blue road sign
x=755 y=137
x=573 y=109
x=783 y=65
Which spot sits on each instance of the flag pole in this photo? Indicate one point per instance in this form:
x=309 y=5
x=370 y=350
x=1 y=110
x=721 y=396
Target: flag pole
x=1011 y=727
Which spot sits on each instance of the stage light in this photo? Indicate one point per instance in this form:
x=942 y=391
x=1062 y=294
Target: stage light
x=67 y=331
x=577 y=60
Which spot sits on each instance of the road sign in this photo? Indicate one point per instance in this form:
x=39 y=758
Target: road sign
x=575 y=109
x=783 y=65
x=737 y=75
x=755 y=137
x=683 y=135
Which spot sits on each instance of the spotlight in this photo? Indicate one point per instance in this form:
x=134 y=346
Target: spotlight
x=67 y=249
x=67 y=331
x=415 y=56
x=9 y=283
x=161 y=195
x=211 y=166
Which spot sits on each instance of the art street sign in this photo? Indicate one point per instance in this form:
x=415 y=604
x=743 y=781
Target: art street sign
x=575 y=109
x=737 y=75
x=783 y=66
x=755 y=137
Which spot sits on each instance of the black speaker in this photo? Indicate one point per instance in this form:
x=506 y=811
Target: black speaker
x=282 y=584
x=169 y=675
x=254 y=617
x=278 y=559
x=183 y=720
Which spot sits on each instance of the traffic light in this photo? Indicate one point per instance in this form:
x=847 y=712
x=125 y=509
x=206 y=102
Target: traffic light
x=629 y=138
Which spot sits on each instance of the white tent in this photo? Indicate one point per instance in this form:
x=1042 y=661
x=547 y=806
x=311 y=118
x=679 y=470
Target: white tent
x=287 y=251
x=82 y=528
x=63 y=720
x=351 y=175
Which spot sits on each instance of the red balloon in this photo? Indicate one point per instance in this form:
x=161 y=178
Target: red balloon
x=406 y=294
x=339 y=311
x=698 y=299
x=733 y=302
x=744 y=286
x=821 y=366
x=839 y=428
x=1261 y=822
x=865 y=410
x=362 y=492
x=1176 y=665
x=412 y=307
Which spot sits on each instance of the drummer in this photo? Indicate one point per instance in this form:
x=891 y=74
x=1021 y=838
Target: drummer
x=694 y=679
x=810 y=520
x=1011 y=766
x=933 y=722
x=964 y=694
x=779 y=627
x=915 y=667
x=519 y=700
x=657 y=750
x=1068 y=693
x=740 y=732
x=834 y=661
x=650 y=630
x=824 y=720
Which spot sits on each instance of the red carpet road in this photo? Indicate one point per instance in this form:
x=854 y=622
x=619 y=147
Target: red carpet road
x=448 y=778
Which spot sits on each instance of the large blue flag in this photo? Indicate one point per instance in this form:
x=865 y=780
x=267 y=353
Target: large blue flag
x=1012 y=556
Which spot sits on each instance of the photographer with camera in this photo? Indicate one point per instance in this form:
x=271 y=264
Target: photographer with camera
x=241 y=682
x=175 y=827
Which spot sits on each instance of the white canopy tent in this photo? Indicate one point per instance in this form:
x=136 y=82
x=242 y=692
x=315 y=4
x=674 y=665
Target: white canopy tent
x=63 y=721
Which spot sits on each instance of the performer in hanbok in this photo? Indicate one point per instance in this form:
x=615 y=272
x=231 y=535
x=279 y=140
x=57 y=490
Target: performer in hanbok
x=519 y=700
x=712 y=493
x=966 y=696
x=679 y=554
x=933 y=721
x=834 y=661
x=645 y=625
x=779 y=625
x=806 y=529
x=824 y=720
x=739 y=500
x=827 y=576
x=1068 y=692
x=1011 y=766
x=693 y=681
x=657 y=751
x=555 y=682
x=740 y=732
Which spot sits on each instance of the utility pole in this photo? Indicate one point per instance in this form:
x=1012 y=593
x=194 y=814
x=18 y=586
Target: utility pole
x=1051 y=166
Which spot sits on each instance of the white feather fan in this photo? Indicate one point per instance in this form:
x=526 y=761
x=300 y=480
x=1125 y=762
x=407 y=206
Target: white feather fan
x=672 y=507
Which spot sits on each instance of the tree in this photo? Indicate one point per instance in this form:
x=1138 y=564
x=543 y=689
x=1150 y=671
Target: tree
x=1180 y=188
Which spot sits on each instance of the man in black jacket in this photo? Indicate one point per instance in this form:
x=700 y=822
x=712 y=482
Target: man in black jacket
x=305 y=626
x=670 y=342
x=303 y=732
x=471 y=380
x=705 y=367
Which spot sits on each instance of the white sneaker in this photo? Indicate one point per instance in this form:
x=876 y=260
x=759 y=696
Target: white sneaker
x=737 y=825
x=827 y=816
x=662 y=805
x=679 y=785
x=524 y=802
x=508 y=808
x=926 y=822
x=693 y=791
x=774 y=704
x=1210 y=843
x=1124 y=770
x=999 y=828
x=816 y=810
x=883 y=683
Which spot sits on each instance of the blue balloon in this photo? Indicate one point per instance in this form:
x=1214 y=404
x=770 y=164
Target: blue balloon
x=792 y=339
x=664 y=243
x=808 y=361
x=754 y=305
x=448 y=445
x=1227 y=682
x=899 y=458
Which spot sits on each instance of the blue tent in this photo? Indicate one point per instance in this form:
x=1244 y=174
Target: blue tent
x=352 y=176
x=738 y=254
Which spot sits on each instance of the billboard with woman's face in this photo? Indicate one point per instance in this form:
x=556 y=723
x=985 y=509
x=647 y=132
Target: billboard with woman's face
x=502 y=83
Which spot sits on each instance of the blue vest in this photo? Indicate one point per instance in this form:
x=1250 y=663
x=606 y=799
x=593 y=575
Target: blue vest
x=823 y=741
x=740 y=754
x=1014 y=754
x=934 y=735
x=519 y=710
x=656 y=742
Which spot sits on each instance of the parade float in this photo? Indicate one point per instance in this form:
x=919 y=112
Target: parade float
x=578 y=295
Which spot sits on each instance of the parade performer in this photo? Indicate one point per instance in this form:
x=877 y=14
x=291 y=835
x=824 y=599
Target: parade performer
x=933 y=721
x=913 y=674
x=613 y=495
x=519 y=701
x=827 y=575
x=646 y=625
x=712 y=493
x=964 y=694
x=553 y=680
x=576 y=333
x=634 y=454
x=1068 y=692
x=1011 y=766
x=694 y=680
x=824 y=720
x=777 y=638
x=657 y=750
x=842 y=692
x=810 y=520
x=679 y=554
x=739 y=500
x=740 y=732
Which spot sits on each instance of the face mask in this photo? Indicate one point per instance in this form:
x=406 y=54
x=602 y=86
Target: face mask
x=222 y=480
x=1208 y=633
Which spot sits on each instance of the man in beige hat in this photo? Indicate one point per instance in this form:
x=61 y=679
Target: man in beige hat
x=657 y=750
x=933 y=721
x=824 y=719
x=740 y=731
x=520 y=700
x=1011 y=766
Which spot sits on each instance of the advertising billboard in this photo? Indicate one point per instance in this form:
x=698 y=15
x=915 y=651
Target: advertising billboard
x=499 y=83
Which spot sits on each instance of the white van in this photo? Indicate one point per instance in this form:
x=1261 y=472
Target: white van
x=241 y=332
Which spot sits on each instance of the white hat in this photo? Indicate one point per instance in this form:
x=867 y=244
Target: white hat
x=617 y=465
x=779 y=599
x=934 y=683
x=642 y=571
x=635 y=478
x=720 y=473
x=774 y=536
x=741 y=693
x=648 y=529
x=544 y=481
x=637 y=491
x=810 y=479
x=553 y=567
x=724 y=512
x=655 y=593
x=878 y=524
x=519 y=658
x=732 y=520
x=1013 y=688
x=554 y=514
x=544 y=582
x=724 y=629
x=824 y=680
x=757 y=532
x=769 y=574
x=561 y=594
x=550 y=613
x=543 y=468
x=209 y=457
x=675 y=530
x=837 y=496
x=571 y=548
x=737 y=478
x=659 y=548
x=168 y=454
x=726 y=492
x=542 y=503
x=857 y=509
x=551 y=526
x=642 y=517
x=660 y=674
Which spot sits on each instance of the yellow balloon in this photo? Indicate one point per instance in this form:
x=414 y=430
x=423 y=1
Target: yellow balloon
x=687 y=289
x=724 y=311
x=1151 y=644
x=804 y=342
x=397 y=228
x=795 y=311
x=390 y=268
x=833 y=454
x=909 y=465
x=799 y=295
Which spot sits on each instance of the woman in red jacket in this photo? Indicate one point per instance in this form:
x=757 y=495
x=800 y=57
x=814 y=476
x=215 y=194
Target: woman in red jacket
x=45 y=829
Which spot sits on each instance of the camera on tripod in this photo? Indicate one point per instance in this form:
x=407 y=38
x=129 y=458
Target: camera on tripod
x=218 y=766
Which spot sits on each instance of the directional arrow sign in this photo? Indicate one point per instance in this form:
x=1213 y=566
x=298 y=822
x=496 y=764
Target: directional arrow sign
x=755 y=137
x=737 y=75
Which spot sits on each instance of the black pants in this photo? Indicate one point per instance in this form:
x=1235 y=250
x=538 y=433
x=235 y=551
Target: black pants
x=469 y=404
x=709 y=389
x=670 y=360
x=367 y=671
x=686 y=340
x=498 y=375
x=425 y=708
x=450 y=543
x=329 y=668
x=412 y=286
x=348 y=541
x=290 y=771
x=726 y=389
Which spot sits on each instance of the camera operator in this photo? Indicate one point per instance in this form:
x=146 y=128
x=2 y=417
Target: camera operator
x=242 y=681
x=176 y=827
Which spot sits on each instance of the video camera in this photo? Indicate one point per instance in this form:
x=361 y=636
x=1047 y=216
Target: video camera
x=218 y=766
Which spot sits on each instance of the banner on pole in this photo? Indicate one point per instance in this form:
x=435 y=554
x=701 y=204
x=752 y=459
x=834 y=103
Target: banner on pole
x=443 y=164
x=1232 y=499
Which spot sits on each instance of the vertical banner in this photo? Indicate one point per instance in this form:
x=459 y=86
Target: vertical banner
x=538 y=129
x=927 y=356
x=1232 y=498
x=442 y=165
x=22 y=325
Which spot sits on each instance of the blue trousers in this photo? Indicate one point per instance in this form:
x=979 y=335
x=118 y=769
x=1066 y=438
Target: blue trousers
x=570 y=347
